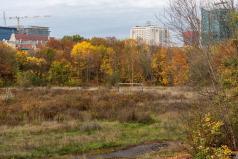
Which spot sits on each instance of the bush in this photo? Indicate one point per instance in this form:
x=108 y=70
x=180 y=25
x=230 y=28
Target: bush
x=74 y=82
x=135 y=116
x=203 y=133
x=24 y=79
x=28 y=79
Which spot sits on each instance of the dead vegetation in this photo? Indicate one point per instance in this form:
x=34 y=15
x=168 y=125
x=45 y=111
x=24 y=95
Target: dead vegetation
x=30 y=106
x=58 y=122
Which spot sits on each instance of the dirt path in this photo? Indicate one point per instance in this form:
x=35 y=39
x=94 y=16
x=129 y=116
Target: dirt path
x=134 y=151
x=174 y=91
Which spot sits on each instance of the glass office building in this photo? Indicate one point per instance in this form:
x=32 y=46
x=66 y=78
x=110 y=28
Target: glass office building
x=215 y=25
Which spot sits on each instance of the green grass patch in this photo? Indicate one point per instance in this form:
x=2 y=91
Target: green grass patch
x=29 y=143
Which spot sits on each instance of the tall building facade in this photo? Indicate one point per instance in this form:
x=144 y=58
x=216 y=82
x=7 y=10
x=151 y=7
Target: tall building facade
x=151 y=35
x=215 y=25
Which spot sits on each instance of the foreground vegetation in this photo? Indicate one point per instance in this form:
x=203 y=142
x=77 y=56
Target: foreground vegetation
x=50 y=123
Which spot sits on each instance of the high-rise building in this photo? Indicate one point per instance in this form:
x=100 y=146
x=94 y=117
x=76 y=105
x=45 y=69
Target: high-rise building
x=151 y=35
x=215 y=25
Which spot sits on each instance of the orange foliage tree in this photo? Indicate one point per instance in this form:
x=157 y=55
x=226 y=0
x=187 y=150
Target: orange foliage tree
x=7 y=62
x=179 y=67
x=161 y=67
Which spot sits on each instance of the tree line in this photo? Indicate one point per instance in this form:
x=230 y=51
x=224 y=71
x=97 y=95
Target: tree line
x=75 y=61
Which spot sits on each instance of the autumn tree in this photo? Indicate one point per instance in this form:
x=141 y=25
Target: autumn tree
x=107 y=59
x=60 y=73
x=145 y=60
x=161 y=67
x=179 y=67
x=130 y=68
x=75 y=38
x=31 y=70
x=83 y=54
x=7 y=62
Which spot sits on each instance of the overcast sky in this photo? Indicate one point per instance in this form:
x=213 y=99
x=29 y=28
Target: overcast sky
x=89 y=18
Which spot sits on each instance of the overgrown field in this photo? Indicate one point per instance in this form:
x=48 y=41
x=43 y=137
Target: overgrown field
x=44 y=123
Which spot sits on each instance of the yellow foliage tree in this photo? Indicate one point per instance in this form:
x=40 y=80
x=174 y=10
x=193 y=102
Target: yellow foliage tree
x=82 y=50
x=161 y=67
x=84 y=57
x=107 y=55
x=21 y=58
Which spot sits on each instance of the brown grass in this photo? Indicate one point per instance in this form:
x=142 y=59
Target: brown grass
x=60 y=105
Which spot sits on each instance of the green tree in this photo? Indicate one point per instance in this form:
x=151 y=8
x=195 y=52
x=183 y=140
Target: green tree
x=60 y=73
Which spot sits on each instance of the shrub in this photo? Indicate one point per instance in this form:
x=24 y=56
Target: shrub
x=28 y=79
x=24 y=79
x=127 y=115
x=202 y=134
x=229 y=73
x=74 y=82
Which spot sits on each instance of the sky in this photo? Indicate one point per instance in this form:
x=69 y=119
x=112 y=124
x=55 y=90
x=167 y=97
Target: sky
x=89 y=18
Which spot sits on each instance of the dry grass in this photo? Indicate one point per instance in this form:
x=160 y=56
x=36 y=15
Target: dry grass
x=62 y=105
x=43 y=123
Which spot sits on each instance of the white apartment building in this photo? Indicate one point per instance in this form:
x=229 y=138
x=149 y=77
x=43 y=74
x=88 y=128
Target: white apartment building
x=151 y=35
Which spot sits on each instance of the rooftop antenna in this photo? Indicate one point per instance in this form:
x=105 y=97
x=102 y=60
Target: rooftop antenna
x=4 y=18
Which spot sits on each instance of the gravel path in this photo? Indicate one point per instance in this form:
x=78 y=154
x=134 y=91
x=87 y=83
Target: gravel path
x=131 y=152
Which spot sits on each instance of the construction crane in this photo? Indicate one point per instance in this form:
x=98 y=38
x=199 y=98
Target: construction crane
x=18 y=18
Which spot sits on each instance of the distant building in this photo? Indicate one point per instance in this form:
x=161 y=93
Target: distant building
x=25 y=38
x=215 y=25
x=27 y=41
x=151 y=35
x=6 y=32
x=35 y=30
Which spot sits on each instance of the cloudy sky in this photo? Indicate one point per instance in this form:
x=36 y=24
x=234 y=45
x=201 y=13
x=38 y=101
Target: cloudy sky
x=102 y=18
